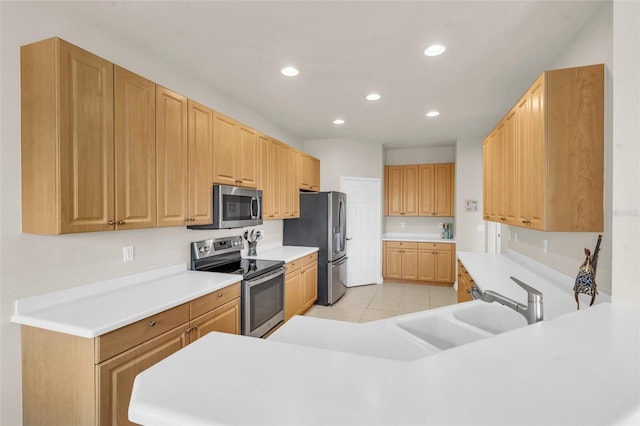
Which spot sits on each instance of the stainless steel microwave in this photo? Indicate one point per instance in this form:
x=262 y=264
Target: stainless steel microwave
x=234 y=207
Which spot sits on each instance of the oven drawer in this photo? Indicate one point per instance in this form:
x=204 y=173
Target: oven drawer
x=118 y=341
x=215 y=299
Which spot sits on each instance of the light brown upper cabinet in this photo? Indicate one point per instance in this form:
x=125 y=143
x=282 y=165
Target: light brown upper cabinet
x=401 y=190
x=435 y=189
x=235 y=151
x=308 y=172
x=200 y=164
x=419 y=190
x=76 y=175
x=544 y=162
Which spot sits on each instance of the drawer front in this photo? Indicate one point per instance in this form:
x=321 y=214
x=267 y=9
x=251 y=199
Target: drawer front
x=213 y=300
x=402 y=244
x=122 y=339
x=310 y=258
x=293 y=265
x=437 y=246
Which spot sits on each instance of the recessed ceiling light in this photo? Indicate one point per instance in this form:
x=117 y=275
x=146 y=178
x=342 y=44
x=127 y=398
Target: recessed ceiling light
x=433 y=114
x=338 y=121
x=434 y=50
x=373 y=97
x=290 y=71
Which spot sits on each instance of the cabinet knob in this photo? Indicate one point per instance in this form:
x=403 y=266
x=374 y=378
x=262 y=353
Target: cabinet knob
x=220 y=294
x=486 y=216
x=152 y=323
x=434 y=213
x=121 y=222
x=112 y=222
x=468 y=291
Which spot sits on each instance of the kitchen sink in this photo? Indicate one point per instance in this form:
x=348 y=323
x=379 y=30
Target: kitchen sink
x=456 y=325
x=490 y=317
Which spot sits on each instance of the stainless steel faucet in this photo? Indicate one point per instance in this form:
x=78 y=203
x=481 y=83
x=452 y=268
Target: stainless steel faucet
x=533 y=312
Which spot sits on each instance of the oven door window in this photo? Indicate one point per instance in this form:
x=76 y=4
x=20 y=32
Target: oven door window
x=266 y=300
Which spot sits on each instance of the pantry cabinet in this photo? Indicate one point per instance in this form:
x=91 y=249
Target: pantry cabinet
x=74 y=380
x=419 y=190
x=544 y=162
x=301 y=285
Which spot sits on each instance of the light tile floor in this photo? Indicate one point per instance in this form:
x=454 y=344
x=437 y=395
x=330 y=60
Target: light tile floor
x=378 y=301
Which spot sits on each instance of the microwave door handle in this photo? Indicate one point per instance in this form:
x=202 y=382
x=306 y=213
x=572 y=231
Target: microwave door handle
x=255 y=208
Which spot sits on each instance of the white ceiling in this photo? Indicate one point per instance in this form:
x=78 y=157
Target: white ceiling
x=346 y=49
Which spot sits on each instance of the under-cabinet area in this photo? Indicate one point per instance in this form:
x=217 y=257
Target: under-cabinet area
x=106 y=149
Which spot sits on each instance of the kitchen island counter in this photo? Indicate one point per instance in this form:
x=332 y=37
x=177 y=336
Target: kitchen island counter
x=539 y=374
x=419 y=238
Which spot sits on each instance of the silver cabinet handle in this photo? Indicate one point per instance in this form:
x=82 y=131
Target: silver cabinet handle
x=152 y=323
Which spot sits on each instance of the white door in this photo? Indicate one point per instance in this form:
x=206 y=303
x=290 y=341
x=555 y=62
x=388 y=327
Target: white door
x=363 y=230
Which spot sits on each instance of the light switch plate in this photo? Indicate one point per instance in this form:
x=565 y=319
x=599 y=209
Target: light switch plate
x=127 y=253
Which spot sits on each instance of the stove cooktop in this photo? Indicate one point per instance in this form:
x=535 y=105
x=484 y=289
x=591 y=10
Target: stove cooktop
x=248 y=268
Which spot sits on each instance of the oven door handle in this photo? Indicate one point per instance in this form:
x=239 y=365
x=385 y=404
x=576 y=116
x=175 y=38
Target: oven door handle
x=266 y=277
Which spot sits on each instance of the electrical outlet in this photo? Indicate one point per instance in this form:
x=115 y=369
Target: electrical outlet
x=509 y=235
x=545 y=246
x=402 y=225
x=440 y=224
x=127 y=253
x=515 y=237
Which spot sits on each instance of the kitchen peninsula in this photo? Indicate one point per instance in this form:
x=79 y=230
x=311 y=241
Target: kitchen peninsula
x=498 y=371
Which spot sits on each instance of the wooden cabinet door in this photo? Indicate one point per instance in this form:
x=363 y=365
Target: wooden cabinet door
x=276 y=165
x=443 y=189
x=225 y=150
x=116 y=375
x=86 y=159
x=426 y=265
x=283 y=175
x=305 y=167
x=393 y=263
x=535 y=172
x=315 y=174
x=410 y=197
x=225 y=319
x=490 y=167
x=247 y=173
x=292 y=294
x=444 y=266
x=509 y=162
x=410 y=264
x=427 y=188
x=293 y=187
x=309 y=285
x=135 y=150
x=200 y=163
x=394 y=190
x=172 y=158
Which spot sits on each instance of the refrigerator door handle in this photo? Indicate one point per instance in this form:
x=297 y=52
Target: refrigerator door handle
x=339 y=262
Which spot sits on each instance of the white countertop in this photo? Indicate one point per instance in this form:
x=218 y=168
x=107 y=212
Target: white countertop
x=283 y=253
x=493 y=272
x=581 y=368
x=420 y=238
x=95 y=309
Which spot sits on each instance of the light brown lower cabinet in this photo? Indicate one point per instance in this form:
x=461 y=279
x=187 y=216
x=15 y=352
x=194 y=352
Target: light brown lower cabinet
x=73 y=380
x=465 y=282
x=419 y=262
x=301 y=285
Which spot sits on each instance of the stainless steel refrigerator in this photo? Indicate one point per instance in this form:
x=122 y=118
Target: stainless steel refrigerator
x=323 y=224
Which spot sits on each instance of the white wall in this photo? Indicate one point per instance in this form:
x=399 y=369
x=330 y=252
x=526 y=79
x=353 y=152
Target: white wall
x=345 y=157
x=625 y=213
x=32 y=264
x=470 y=227
x=592 y=45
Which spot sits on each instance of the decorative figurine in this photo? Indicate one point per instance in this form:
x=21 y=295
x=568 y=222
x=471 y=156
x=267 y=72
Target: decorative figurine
x=586 y=279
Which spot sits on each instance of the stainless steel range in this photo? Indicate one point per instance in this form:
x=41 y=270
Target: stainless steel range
x=262 y=285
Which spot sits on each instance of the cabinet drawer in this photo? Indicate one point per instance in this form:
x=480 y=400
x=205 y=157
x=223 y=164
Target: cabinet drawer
x=214 y=299
x=402 y=244
x=436 y=246
x=293 y=265
x=118 y=341
x=310 y=258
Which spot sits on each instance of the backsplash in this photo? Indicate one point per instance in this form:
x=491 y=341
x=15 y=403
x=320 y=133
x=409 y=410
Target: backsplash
x=416 y=225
